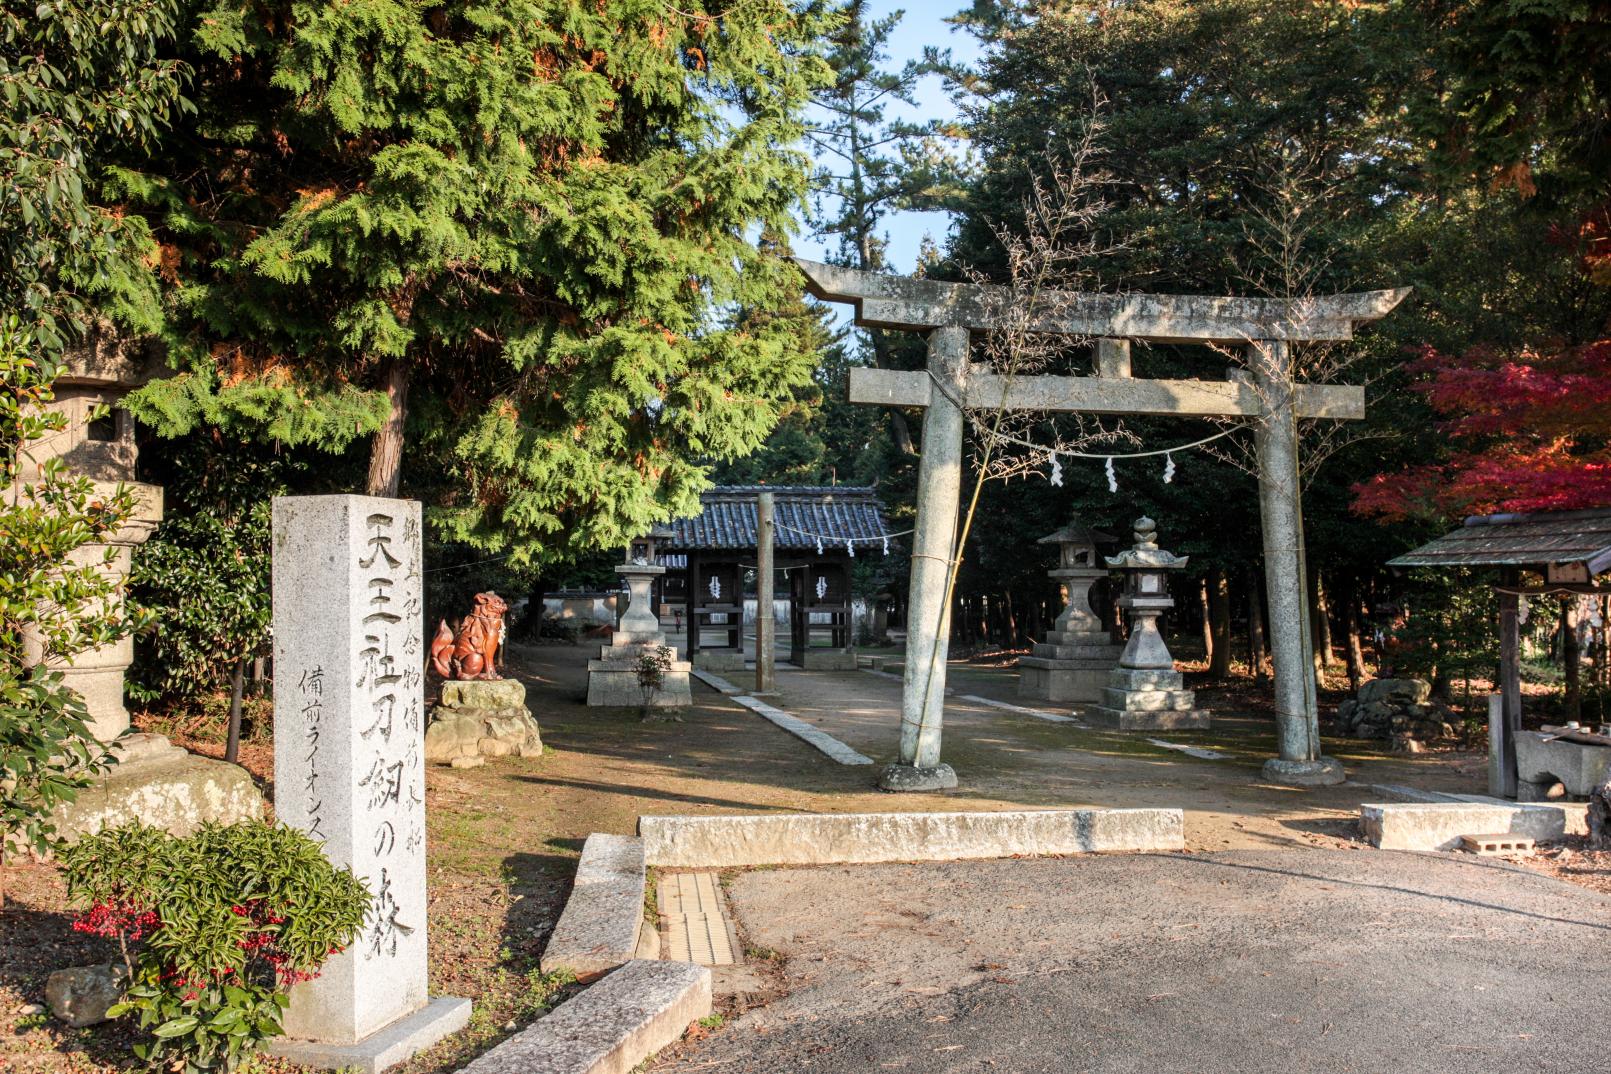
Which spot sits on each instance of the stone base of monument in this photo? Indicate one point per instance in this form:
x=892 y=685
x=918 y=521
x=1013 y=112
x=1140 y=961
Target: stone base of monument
x=1325 y=772
x=481 y=719
x=386 y=1047
x=1137 y=699
x=1068 y=666
x=828 y=660
x=161 y=786
x=719 y=660
x=906 y=777
x=614 y=683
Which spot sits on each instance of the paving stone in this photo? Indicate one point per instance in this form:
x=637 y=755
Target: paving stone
x=598 y=929
x=815 y=736
x=612 y=1027
x=1439 y=825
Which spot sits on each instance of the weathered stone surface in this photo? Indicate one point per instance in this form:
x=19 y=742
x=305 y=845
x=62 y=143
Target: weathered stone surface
x=386 y=1047
x=1321 y=772
x=718 y=660
x=1578 y=766
x=484 y=694
x=614 y=684
x=901 y=778
x=1394 y=709
x=1406 y=690
x=820 y=839
x=80 y=995
x=349 y=736
x=815 y=736
x=1439 y=825
x=598 y=929
x=163 y=786
x=610 y=1028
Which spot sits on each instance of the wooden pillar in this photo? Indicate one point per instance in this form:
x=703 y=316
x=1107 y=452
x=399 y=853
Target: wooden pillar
x=1509 y=685
x=765 y=624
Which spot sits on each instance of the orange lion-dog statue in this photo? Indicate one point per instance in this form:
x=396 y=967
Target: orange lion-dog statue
x=471 y=652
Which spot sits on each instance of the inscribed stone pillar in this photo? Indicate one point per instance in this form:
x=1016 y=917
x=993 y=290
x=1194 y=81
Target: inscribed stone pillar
x=928 y=620
x=349 y=763
x=1281 y=514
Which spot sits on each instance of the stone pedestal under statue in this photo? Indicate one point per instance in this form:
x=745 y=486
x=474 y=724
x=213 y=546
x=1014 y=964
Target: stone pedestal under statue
x=1074 y=661
x=153 y=782
x=613 y=679
x=1145 y=692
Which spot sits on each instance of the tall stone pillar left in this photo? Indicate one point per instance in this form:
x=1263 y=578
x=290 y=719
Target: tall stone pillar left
x=153 y=781
x=349 y=764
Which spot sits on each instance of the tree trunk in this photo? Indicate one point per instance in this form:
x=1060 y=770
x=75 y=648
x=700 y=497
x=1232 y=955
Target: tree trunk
x=1323 y=621
x=1219 y=625
x=1255 y=627
x=386 y=453
x=1571 y=659
x=1204 y=618
x=237 y=689
x=1356 y=646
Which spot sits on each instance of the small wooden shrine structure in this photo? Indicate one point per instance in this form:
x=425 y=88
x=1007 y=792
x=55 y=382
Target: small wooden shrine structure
x=820 y=530
x=1543 y=554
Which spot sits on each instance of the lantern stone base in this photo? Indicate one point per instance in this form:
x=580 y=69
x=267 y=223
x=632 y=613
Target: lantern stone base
x=1141 y=699
x=161 y=786
x=612 y=682
x=1324 y=772
x=1068 y=666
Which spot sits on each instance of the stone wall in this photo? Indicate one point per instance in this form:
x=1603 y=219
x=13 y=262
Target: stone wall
x=1398 y=709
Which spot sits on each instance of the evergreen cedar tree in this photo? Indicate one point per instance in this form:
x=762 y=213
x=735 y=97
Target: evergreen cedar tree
x=525 y=226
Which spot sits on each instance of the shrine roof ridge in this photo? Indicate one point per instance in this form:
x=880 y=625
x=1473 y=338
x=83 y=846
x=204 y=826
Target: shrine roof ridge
x=1533 y=539
x=836 y=512
x=883 y=300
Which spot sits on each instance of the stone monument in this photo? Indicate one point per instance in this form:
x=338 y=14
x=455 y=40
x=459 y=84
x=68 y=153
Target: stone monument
x=612 y=679
x=1073 y=663
x=153 y=781
x=349 y=765
x=1145 y=691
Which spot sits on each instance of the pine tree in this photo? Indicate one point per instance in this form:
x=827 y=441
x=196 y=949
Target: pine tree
x=497 y=233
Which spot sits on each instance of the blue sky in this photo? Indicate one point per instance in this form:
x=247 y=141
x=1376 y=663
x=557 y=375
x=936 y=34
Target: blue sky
x=923 y=25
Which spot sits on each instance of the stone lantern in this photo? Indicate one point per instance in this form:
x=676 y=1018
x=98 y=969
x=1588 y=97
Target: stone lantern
x=1145 y=691
x=1073 y=663
x=612 y=679
x=153 y=781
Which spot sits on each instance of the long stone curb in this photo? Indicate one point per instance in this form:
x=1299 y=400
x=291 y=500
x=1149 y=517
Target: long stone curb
x=610 y=1028
x=1022 y=710
x=813 y=736
x=835 y=838
x=715 y=682
x=1431 y=826
x=598 y=929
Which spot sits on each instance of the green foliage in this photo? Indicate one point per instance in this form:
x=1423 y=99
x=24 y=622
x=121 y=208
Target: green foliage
x=54 y=603
x=215 y=928
x=534 y=211
x=77 y=80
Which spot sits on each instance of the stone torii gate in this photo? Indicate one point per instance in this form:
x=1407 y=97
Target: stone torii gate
x=1266 y=327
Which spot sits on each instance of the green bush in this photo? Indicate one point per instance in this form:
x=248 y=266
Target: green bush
x=215 y=928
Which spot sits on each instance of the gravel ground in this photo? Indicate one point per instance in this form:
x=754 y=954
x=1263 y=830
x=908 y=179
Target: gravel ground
x=1247 y=961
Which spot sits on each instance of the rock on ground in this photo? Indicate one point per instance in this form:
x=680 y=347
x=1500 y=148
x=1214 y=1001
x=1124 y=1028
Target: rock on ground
x=80 y=995
x=479 y=719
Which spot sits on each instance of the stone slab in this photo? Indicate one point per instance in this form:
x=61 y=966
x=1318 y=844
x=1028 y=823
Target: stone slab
x=823 y=839
x=719 y=660
x=613 y=684
x=1142 y=720
x=386 y=1047
x=598 y=929
x=813 y=736
x=484 y=694
x=828 y=660
x=610 y=1028
x=1022 y=710
x=162 y=786
x=715 y=682
x=1061 y=680
x=1574 y=815
x=1439 y=825
x=1579 y=766
x=1190 y=751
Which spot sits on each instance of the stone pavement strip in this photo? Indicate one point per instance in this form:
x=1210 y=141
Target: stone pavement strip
x=821 y=740
x=598 y=929
x=610 y=1028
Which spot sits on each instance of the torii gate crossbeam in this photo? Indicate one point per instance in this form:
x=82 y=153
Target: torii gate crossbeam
x=949 y=312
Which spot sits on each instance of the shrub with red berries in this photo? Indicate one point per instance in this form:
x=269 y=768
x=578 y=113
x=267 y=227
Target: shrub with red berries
x=215 y=929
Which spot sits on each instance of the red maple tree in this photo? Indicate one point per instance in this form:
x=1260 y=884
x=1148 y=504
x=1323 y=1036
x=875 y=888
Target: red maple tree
x=1532 y=431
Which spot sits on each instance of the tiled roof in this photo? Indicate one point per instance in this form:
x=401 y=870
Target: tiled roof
x=1532 y=540
x=837 y=513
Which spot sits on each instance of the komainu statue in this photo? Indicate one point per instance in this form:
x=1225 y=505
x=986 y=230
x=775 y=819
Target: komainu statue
x=471 y=651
